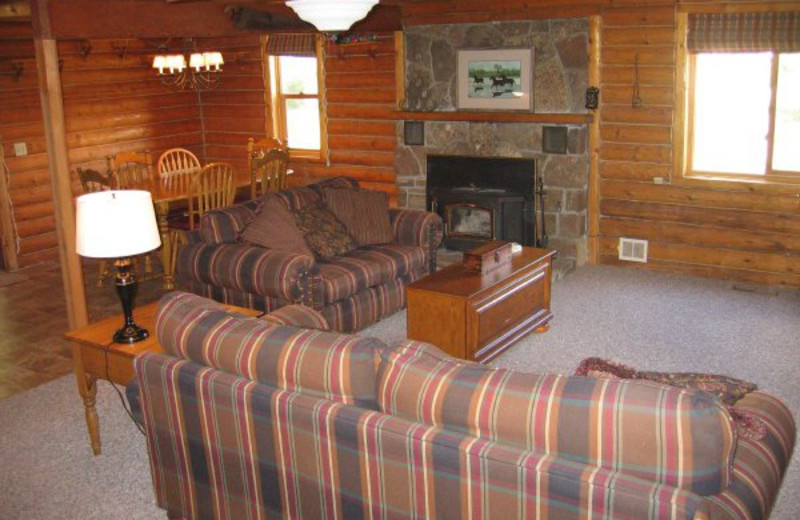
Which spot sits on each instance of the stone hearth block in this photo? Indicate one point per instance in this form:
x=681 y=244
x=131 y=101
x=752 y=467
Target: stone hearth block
x=568 y=171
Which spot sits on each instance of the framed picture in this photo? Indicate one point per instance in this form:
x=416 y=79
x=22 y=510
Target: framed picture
x=497 y=79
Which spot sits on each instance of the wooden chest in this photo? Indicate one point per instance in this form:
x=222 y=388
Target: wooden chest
x=489 y=257
x=476 y=317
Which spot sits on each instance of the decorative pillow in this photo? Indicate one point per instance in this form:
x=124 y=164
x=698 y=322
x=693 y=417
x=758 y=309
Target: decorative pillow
x=298 y=316
x=323 y=232
x=365 y=214
x=274 y=228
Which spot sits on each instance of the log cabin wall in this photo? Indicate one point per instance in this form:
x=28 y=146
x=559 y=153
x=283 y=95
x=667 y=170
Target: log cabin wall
x=360 y=86
x=740 y=232
x=235 y=110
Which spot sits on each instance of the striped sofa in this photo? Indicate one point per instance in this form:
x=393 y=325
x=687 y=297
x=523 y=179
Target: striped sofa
x=351 y=291
x=248 y=419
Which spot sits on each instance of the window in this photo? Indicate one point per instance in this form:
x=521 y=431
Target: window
x=296 y=86
x=744 y=121
x=742 y=111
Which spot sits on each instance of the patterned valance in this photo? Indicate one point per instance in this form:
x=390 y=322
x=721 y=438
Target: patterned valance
x=744 y=32
x=291 y=45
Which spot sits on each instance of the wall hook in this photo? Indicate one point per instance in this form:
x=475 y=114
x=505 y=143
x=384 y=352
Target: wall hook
x=86 y=48
x=120 y=50
x=16 y=70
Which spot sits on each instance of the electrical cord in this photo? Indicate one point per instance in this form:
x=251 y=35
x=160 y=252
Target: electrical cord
x=119 y=394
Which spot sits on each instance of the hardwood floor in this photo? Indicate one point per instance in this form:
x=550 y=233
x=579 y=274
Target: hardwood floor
x=33 y=318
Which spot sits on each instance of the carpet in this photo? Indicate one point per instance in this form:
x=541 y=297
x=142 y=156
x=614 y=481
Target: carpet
x=651 y=321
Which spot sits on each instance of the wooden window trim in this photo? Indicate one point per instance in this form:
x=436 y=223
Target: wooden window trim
x=278 y=113
x=772 y=181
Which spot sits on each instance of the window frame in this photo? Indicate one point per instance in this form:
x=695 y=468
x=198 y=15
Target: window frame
x=278 y=107
x=683 y=126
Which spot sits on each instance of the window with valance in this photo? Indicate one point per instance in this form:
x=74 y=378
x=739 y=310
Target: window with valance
x=743 y=105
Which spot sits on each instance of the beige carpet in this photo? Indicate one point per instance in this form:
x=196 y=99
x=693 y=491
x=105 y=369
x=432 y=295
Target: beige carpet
x=648 y=320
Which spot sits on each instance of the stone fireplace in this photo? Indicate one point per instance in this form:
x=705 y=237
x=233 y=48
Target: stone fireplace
x=559 y=83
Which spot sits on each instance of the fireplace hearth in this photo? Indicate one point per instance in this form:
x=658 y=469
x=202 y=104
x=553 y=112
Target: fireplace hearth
x=483 y=198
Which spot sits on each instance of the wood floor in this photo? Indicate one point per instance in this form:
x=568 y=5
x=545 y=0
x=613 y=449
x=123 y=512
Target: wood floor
x=33 y=318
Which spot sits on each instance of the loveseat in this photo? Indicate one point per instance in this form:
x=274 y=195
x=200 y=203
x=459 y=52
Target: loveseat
x=249 y=419
x=351 y=290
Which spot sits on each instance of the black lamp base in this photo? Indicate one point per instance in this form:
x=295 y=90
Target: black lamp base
x=126 y=290
x=131 y=334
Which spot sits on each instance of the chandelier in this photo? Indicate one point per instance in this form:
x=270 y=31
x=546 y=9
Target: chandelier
x=203 y=72
x=331 y=15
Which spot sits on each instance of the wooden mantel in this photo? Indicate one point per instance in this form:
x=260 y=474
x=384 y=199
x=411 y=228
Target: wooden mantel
x=497 y=117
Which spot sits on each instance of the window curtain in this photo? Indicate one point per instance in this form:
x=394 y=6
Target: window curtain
x=744 y=32
x=291 y=45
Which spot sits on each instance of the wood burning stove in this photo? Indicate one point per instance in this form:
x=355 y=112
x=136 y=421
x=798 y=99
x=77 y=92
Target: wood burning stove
x=482 y=199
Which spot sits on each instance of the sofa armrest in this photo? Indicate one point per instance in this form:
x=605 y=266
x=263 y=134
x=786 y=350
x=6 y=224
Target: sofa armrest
x=251 y=269
x=298 y=316
x=223 y=226
x=418 y=228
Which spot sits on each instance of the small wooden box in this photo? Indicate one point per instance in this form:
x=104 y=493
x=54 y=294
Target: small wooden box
x=489 y=257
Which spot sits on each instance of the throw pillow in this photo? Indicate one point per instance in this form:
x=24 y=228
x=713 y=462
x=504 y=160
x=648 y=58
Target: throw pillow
x=323 y=232
x=365 y=214
x=274 y=228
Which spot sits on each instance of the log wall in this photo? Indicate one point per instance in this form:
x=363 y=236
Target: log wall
x=361 y=90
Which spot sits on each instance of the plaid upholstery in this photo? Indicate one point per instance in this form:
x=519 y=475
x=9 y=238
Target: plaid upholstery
x=335 y=367
x=227 y=448
x=418 y=228
x=223 y=226
x=298 y=198
x=368 y=266
x=369 y=306
x=758 y=466
x=298 y=316
x=234 y=297
x=659 y=433
x=256 y=270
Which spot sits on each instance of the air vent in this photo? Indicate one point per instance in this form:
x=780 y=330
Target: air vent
x=633 y=250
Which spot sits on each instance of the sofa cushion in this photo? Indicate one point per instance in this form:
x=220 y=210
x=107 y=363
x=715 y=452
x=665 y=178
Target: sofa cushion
x=660 y=433
x=274 y=228
x=325 y=235
x=297 y=316
x=332 y=366
x=368 y=266
x=365 y=214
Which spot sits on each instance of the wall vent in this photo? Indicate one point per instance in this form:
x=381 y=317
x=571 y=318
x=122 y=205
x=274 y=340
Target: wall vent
x=633 y=250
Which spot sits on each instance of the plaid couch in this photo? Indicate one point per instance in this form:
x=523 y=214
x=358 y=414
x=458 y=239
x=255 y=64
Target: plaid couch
x=351 y=291
x=248 y=419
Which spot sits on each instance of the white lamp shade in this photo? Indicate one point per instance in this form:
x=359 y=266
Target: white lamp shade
x=116 y=224
x=331 y=15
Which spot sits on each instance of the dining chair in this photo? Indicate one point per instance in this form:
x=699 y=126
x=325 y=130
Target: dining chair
x=176 y=167
x=272 y=171
x=131 y=169
x=214 y=186
x=93 y=181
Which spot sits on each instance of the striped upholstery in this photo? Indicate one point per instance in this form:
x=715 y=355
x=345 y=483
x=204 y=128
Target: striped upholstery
x=234 y=297
x=227 y=448
x=297 y=316
x=368 y=266
x=758 y=466
x=298 y=198
x=223 y=226
x=334 y=367
x=659 y=433
x=418 y=228
x=252 y=269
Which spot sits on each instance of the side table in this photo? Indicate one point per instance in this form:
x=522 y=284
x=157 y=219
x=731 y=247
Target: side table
x=95 y=356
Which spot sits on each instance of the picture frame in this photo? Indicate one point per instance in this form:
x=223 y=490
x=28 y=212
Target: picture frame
x=495 y=79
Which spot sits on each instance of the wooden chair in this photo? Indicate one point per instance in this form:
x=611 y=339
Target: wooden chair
x=212 y=187
x=131 y=169
x=272 y=170
x=176 y=167
x=91 y=182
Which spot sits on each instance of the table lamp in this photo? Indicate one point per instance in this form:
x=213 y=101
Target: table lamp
x=118 y=225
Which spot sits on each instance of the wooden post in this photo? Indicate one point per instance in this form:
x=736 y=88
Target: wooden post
x=58 y=164
x=8 y=248
x=593 y=196
x=400 y=70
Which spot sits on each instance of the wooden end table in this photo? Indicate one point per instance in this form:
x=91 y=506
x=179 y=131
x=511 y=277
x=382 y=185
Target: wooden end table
x=477 y=317
x=95 y=356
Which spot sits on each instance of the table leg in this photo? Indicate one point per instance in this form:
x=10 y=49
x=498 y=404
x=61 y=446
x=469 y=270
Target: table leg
x=162 y=208
x=87 y=388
